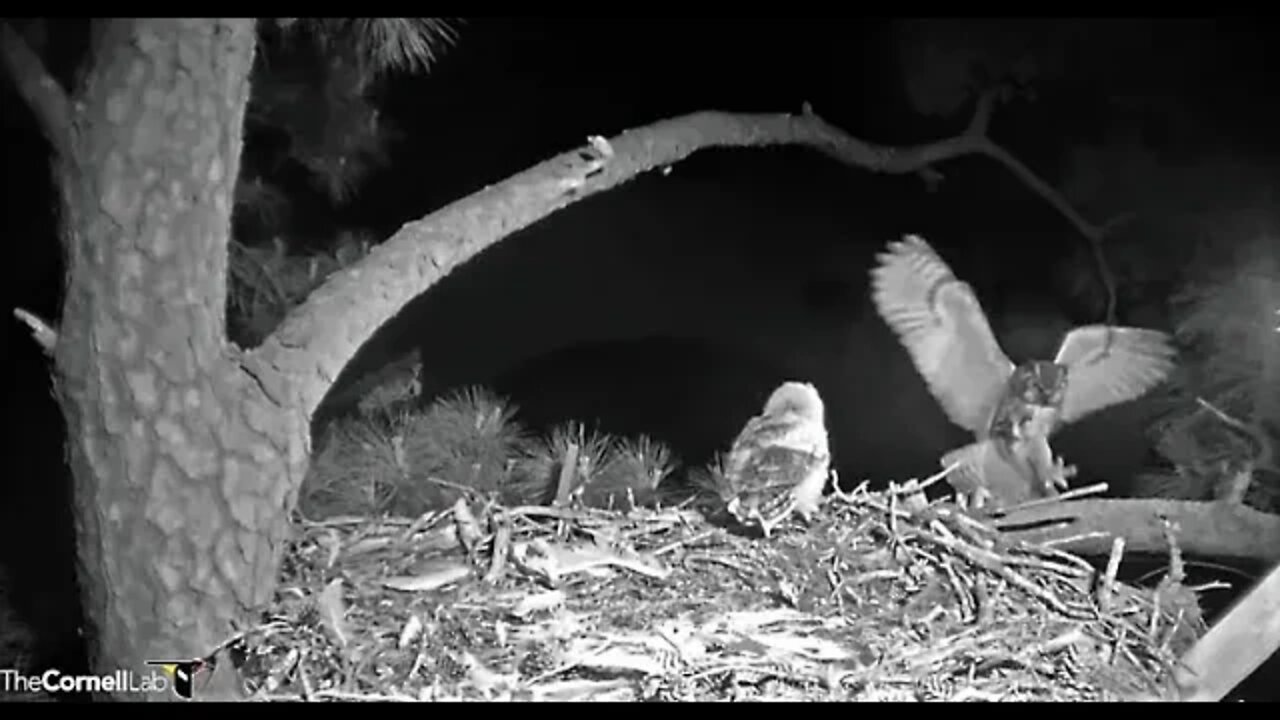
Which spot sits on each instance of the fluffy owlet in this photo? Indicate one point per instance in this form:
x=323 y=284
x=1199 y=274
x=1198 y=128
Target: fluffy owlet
x=780 y=461
x=1011 y=409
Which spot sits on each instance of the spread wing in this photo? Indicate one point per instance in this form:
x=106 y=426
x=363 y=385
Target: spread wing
x=1111 y=365
x=941 y=324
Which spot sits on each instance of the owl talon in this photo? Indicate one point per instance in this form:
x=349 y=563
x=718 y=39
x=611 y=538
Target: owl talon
x=1061 y=474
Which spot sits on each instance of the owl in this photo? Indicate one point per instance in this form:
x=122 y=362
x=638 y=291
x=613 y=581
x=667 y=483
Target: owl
x=1012 y=410
x=780 y=461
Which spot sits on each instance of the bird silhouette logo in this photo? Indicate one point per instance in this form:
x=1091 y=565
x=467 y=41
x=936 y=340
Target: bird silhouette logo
x=181 y=673
x=1011 y=409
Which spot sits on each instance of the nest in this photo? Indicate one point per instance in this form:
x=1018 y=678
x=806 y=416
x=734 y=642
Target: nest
x=882 y=596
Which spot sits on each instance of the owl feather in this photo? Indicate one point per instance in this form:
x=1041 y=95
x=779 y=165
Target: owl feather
x=1011 y=409
x=780 y=460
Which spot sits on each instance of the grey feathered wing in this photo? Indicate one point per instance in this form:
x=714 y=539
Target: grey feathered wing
x=942 y=326
x=1111 y=365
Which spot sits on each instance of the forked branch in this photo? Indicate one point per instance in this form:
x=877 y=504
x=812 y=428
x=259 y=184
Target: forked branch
x=38 y=88
x=308 y=350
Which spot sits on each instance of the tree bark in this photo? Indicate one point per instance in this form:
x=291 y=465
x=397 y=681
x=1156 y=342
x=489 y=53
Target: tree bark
x=1219 y=529
x=184 y=471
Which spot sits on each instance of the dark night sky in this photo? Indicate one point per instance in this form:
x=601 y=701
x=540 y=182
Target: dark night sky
x=739 y=268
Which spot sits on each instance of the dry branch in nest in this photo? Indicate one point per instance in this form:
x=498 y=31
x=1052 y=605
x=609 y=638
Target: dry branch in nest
x=883 y=597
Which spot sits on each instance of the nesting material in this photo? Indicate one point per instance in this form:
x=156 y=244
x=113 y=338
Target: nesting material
x=882 y=596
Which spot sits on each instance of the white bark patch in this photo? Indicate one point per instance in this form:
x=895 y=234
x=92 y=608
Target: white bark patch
x=179 y=99
x=173 y=354
x=146 y=40
x=179 y=605
x=118 y=108
x=171 y=433
x=201 y=515
x=263 y=453
x=229 y=558
x=201 y=568
x=137 y=453
x=167 y=515
x=152 y=99
x=192 y=54
x=260 y=419
x=237 y=488
x=116 y=416
x=216 y=170
x=197 y=463
x=127 y=342
x=249 y=545
x=90 y=448
x=118 y=199
x=212 y=409
x=128 y=277
x=161 y=243
x=170 y=576
x=142 y=385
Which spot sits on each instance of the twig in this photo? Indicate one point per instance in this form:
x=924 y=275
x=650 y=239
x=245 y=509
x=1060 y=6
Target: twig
x=910 y=488
x=568 y=469
x=1095 y=234
x=1068 y=495
x=455 y=486
x=42 y=332
x=501 y=545
x=1107 y=587
x=1265 y=456
x=683 y=541
x=39 y=89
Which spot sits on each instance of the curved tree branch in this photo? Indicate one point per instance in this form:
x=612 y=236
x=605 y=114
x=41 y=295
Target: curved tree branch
x=1221 y=529
x=38 y=88
x=299 y=362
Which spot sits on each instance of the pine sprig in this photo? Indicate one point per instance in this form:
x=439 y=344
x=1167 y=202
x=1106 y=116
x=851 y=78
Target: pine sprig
x=469 y=439
x=359 y=471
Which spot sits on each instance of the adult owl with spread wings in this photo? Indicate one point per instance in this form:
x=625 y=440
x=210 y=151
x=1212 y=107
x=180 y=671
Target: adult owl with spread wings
x=1011 y=409
x=780 y=461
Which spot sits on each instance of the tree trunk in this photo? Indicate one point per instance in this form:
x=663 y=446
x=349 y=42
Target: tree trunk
x=182 y=465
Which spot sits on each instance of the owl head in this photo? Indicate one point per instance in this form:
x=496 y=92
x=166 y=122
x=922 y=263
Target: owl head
x=796 y=398
x=1039 y=382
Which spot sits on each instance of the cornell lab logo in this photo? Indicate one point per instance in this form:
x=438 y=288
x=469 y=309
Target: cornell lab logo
x=182 y=673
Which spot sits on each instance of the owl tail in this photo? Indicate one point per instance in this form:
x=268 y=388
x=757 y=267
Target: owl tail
x=968 y=479
x=967 y=476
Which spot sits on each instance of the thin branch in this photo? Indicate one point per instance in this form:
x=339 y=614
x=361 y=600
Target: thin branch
x=1093 y=233
x=43 y=94
x=1264 y=458
x=974 y=140
x=42 y=332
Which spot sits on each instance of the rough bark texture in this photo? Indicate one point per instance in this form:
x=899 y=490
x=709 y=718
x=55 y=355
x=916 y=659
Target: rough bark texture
x=182 y=466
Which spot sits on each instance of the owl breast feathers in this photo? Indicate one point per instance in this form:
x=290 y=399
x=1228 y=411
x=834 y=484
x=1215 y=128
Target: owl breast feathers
x=1011 y=409
x=780 y=460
